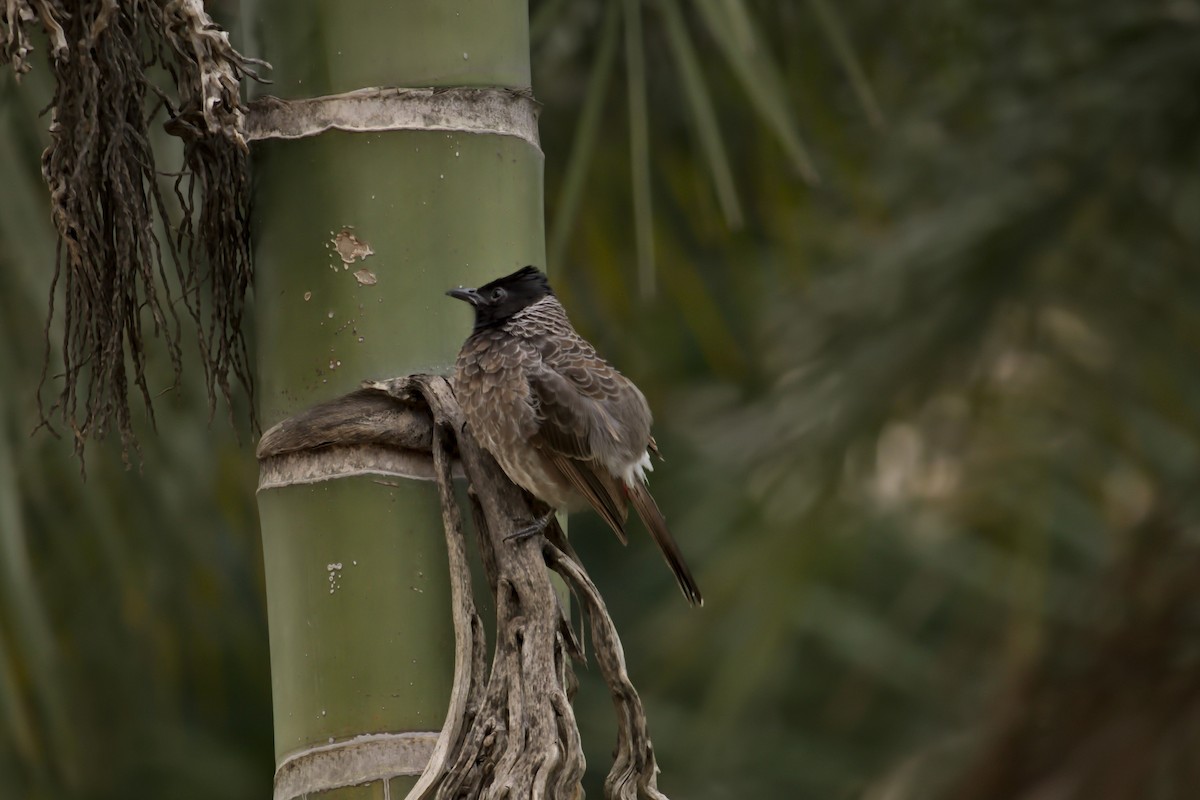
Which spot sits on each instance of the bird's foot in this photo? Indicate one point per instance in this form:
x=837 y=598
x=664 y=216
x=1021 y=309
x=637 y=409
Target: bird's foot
x=533 y=529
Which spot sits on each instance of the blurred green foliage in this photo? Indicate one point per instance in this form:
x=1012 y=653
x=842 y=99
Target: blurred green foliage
x=931 y=422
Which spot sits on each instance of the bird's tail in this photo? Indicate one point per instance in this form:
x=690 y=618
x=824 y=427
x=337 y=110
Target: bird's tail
x=652 y=518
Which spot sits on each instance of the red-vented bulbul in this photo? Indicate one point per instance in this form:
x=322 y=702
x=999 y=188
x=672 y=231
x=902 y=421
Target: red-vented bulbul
x=562 y=423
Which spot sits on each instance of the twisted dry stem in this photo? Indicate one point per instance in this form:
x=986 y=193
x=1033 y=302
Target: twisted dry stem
x=510 y=731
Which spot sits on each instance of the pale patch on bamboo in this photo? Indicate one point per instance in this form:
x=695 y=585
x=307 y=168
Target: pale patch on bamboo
x=500 y=111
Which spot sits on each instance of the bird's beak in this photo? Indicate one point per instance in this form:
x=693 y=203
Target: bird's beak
x=469 y=295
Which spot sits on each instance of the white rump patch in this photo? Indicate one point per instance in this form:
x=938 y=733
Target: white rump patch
x=638 y=469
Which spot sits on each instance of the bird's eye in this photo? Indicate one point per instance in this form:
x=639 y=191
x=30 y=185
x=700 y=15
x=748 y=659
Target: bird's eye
x=498 y=294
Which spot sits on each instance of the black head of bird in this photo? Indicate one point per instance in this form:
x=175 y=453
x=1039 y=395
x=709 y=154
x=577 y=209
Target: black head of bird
x=499 y=300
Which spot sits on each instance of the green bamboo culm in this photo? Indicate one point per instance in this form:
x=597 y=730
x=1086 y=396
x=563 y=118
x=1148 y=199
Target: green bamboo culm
x=357 y=236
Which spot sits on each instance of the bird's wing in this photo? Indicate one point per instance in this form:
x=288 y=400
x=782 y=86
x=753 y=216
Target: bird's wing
x=586 y=396
x=568 y=412
x=621 y=418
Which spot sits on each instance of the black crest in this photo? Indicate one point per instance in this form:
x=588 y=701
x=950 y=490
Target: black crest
x=498 y=300
x=526 y=281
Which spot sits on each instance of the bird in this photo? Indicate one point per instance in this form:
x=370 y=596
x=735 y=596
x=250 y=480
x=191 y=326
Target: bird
x=562 y=422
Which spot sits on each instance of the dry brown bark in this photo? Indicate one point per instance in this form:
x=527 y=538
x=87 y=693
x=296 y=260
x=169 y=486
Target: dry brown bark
x=510 y=731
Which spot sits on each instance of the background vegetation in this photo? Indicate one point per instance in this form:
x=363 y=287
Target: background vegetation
x=931 y=422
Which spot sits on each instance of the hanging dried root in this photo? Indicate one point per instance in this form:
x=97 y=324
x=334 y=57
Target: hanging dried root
x=107 y=204
x=510 y=730
x=14 y=17
x=214 y=188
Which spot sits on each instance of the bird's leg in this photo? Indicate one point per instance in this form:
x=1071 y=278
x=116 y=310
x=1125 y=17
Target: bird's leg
x=533 y=529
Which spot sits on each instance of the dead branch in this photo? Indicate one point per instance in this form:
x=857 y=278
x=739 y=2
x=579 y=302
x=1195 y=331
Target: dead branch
x=510 y=730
